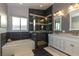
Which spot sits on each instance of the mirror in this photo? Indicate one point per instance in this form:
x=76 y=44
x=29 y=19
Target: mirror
x=57 y=23
x=74 y=20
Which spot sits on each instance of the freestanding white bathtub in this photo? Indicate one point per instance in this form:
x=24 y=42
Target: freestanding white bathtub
x=19 y=48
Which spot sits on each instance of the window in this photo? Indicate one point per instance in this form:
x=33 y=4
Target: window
x=3 y=21
x=23 y=24
x=15 y=23
x=57 y=23
x=19 y=23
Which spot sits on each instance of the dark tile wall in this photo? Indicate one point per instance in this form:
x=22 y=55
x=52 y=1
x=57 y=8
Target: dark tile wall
x=42 y=12
x=40 y=36
x=18 y=35
x=0 y=46
x=49 y=10
x=13 y=36
x=46 y=12
x=3 y=39
x=37 y=11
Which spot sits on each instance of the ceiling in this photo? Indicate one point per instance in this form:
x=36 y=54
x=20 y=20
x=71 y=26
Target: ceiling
x=31 y=5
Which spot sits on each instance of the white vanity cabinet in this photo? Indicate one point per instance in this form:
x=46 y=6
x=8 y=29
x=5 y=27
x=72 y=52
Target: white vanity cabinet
x=50 y=40
x=71 y=47
x=66 y=44
x=56 y=42
x=61 y=44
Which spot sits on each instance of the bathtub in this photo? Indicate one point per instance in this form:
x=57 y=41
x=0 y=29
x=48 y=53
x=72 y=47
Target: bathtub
x=19 y=48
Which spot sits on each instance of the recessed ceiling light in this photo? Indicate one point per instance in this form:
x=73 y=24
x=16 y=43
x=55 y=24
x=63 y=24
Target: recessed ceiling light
x=41 y=5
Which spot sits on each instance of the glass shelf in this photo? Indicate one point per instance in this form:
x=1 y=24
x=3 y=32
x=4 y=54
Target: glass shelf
x=40 y=24
x=40 y=31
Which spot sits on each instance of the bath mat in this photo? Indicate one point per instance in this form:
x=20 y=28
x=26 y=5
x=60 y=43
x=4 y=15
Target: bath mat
x=54 y=52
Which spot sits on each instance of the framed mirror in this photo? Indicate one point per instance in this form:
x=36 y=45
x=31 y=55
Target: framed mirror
x=57 y=23
x=74 y=20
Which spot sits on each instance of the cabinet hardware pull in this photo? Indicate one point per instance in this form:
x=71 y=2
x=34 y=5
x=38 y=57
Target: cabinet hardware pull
x=71 y=45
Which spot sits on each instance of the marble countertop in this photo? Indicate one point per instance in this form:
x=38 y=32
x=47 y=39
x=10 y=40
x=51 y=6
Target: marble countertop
x=67 y=36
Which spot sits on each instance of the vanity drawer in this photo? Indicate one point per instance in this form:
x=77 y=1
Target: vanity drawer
x=72 y=48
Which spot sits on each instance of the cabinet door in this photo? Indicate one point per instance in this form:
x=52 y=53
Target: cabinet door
x=55 y=42
x=72 y=48
x=75 y=48
x=58 y=43
x=61 y=44
x=50 y=40
x=68 y=47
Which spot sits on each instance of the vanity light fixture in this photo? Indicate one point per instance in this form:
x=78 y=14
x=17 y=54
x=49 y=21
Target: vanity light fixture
x=54 y=14
x=59 y=13
x=71 y=8
x=74 y=7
